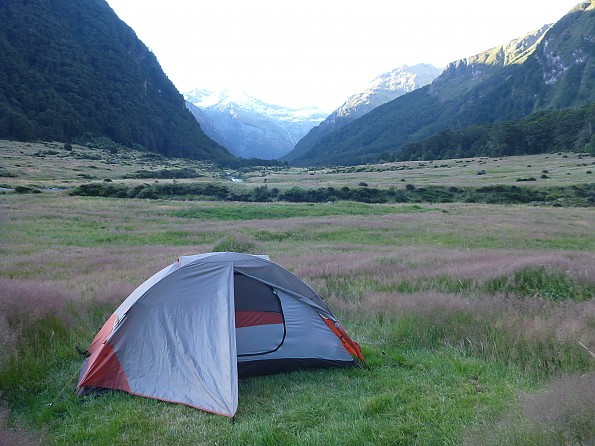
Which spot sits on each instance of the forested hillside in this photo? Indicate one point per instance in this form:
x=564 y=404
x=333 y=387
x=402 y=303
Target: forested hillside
x=542 y=132
x=554 y=72
x=71 y=70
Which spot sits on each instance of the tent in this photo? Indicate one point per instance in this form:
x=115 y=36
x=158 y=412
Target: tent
x=191 y=330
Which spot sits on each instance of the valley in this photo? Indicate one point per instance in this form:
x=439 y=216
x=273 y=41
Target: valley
x=248 y=127
x=475 y=319
x=447 y=217
x=50 y=165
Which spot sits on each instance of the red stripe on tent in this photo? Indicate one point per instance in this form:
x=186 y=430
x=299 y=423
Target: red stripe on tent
x=103 y=334
x=105 y=371
x=252 y=318
x=350 y=345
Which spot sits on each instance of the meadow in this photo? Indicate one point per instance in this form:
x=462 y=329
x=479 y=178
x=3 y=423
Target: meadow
x=477 y=320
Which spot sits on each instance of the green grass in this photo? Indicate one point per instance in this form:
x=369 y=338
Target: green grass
x=268 y=211
x=469 y=315
x=417 y=392
x=411 y=397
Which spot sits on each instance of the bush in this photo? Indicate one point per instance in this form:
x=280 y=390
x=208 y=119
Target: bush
x=184 y=172
x=578 y=195
x=26 y=190
x=236 y=243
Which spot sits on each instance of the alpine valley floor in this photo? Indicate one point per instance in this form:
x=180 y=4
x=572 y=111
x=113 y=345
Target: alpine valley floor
x=477 y=320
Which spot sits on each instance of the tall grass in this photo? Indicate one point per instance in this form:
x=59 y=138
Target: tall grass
x=560 y=414
x=539 y=337
x=476 y=322
x=527 y=312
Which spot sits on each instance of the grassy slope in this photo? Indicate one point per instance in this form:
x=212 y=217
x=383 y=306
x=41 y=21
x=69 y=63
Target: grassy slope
x=465 y=314
x=45 y=165
x=50 y=165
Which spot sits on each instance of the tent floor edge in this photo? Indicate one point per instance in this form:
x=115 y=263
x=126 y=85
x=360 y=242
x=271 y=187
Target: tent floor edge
x=247 y=369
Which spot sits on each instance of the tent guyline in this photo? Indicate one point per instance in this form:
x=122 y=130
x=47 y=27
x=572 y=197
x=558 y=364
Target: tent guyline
x=187 y=333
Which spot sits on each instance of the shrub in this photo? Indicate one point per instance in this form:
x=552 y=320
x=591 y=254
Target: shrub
x=184 y=172
x=237 y=243
x=578 y=195
x=23 y=190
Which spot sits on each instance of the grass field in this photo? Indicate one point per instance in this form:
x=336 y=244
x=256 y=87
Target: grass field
x=478 y=321
x=50 y=165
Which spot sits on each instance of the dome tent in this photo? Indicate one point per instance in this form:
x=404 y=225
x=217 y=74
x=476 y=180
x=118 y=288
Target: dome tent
x=188 y=332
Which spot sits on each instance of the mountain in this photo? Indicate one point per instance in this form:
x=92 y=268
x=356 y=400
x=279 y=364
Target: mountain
x=549 y=69
x=207 y=125
x=546 y=131
x=248 y=127
x=382 y=89
x=71 y=70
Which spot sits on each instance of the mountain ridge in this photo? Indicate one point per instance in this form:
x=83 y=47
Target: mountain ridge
x=72 y=70
x=381 y=89
x=559 y=73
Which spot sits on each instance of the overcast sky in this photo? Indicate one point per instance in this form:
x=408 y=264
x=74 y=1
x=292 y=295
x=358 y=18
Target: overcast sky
x=319 y=52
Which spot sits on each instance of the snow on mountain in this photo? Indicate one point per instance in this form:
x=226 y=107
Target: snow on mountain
x=386 y=87
x=251 y=127
x=382 y=89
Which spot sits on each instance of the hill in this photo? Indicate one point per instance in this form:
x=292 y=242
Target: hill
x=542 y=132
x=382 y=89
x=549 y=69
x=72 y=70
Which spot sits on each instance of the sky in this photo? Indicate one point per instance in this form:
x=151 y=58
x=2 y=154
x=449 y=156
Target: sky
x=300 y=53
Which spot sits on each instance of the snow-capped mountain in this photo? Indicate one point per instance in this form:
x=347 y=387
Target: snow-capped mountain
x=382 y=89
x=249 y=127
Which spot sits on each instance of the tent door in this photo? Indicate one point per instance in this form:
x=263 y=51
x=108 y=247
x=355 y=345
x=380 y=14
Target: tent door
x=260 y=325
